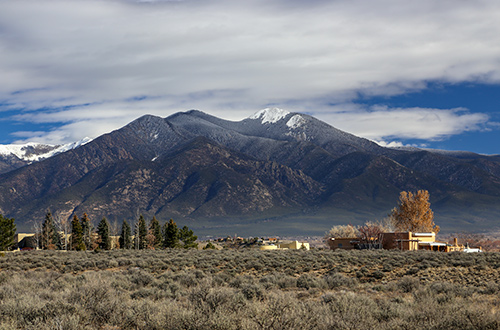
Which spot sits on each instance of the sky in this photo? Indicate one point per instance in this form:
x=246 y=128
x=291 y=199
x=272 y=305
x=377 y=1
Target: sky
x=415 y=73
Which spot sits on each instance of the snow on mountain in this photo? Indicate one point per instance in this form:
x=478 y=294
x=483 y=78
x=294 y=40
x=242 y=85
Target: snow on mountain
x=270 y=115
x=67 y=147
x=296 y=121
x=34 y=152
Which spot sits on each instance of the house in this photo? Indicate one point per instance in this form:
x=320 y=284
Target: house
x=268 y=247
x=20 y=236
x=293 y=245
x=25 y=241
x=406 y=241
x=344 y=243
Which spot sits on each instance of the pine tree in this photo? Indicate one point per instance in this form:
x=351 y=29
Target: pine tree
x=77 y=235
x=56 y=238
x=125 y=239
x=103 y=233
x=188 y=238
x=143 y=232
x=155 y=230
x=48 y=233
x=171 y=235
x=7 y=233
x=87 y=231
x=414 y=213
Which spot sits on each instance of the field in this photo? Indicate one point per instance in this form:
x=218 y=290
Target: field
x=249 y=289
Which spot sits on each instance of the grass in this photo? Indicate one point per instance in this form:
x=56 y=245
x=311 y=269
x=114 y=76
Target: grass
x=249 y=289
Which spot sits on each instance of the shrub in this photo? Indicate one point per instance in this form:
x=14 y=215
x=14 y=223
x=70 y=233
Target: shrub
x=252 y=291
x=307 y=281
x=338 y=280
x=408 y=284
x=210 y=290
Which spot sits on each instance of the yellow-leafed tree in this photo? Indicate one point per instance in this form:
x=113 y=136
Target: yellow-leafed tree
x=414 y=213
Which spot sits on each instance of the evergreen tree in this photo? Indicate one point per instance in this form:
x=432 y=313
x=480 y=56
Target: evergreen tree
x=142 y=233
x=136 y=239
x=57 y=239
x=125 y=239
x=48 y=233
x=7 y=233
x=171 y=235
x=103 y=233
x=155 y=230
x=77 y=235
x=87 y=231
x=188 y=238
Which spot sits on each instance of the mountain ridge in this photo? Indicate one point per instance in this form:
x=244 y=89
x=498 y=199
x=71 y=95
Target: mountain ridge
x=13 y=156
x=269 y=173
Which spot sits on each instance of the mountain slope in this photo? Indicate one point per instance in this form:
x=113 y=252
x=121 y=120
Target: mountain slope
x=275 y=172
x=200 y=179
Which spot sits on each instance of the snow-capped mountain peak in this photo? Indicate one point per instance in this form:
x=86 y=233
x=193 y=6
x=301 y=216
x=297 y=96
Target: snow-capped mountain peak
x=34 y=151
x=270 y=115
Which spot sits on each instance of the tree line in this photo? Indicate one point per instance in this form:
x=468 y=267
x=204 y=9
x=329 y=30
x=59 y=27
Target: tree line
x=156 y=237
x=80 y=234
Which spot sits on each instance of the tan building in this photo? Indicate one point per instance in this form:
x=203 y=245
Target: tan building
x=344 y=243
x=25 y=241
x=269 y=247
x=294 y=245
x=19 y=236
x=406 y=241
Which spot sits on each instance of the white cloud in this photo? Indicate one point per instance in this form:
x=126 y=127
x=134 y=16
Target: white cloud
x=231 y=58
x=381 y=123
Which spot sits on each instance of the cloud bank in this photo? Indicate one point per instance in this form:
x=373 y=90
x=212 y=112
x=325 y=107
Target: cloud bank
x=384 y=125
x=88 y=67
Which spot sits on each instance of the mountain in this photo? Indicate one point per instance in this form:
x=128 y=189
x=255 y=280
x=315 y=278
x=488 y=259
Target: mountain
x=275 y=172
x=14 y=156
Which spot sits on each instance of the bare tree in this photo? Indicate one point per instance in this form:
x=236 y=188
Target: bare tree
x=115 y=228
x=370 y=235
x=342 y=231
x=37 y=228
x=62 y=225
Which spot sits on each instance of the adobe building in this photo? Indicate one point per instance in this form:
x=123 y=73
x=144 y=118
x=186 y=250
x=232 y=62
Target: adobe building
x=405 y=241
x=344 y=243
x=293 y=245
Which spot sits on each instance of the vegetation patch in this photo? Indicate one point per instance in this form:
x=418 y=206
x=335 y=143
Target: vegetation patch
x=248 y=289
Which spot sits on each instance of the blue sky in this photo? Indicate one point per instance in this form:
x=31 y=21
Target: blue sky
x=422 y=73
x=474 y=97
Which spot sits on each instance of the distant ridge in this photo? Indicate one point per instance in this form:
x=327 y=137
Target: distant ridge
x=13 y=156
